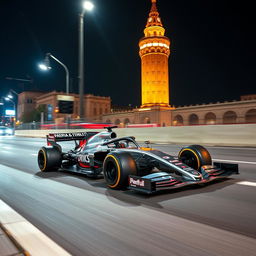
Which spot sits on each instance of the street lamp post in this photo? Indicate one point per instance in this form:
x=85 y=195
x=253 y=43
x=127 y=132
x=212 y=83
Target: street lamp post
x=46 y=66
x=10 y=97
x=12 y=91
x=87 y=6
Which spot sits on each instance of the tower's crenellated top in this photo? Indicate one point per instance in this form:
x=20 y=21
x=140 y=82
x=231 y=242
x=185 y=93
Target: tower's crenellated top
x=154 y=18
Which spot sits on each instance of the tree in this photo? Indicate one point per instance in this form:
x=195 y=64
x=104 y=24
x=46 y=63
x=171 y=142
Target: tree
x=34 y=115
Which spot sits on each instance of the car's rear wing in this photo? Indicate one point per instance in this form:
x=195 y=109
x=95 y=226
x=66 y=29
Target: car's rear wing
x=52 y=138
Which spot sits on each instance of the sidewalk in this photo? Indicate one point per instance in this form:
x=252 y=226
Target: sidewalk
x=19 y=237
x=7 y=246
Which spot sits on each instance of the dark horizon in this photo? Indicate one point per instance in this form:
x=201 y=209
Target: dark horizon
x=212 y=59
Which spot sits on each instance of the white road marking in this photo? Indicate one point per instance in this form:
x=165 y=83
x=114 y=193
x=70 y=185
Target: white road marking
x=234 y=161
x=6 y=147
x=236 y=148
x=247 y=183
x=28 y=236
x=34 y=154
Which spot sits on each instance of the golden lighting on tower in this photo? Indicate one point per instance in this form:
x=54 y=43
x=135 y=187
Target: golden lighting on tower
x=154 y=53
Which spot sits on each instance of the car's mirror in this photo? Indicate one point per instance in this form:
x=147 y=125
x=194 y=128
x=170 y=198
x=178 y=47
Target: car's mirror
x=147 y=142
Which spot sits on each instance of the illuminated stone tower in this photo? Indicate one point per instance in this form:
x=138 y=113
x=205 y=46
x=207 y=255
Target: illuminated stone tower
x=154 y=53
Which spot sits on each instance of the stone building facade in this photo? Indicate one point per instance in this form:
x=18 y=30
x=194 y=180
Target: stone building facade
x=94 y=106
x=235 y=112
x=26 y=103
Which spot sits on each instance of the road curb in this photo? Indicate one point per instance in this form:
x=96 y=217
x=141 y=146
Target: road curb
x=26 y=237
x=21 y=250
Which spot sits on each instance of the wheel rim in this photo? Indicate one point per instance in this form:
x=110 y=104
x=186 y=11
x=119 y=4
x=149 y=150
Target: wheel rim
x=188 y=158
x=111 y=172
x=41 y=160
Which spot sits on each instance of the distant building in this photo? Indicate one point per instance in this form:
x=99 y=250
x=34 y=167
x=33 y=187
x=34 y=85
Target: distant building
x=94 y=106
x=248 y=97
x=154 y=52
x=233 y=112
x=26 y=103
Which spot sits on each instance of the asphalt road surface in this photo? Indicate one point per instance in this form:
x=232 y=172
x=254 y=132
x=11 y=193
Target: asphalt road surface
x=86 y=218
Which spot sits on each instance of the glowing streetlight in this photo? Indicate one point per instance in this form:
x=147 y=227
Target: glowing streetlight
x=45 y=66
x=87 y=6
x=14 y=107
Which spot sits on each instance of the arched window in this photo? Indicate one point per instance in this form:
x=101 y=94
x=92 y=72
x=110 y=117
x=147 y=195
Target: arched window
x=178 y=120
x=210 y=118
x=117 y=122
x=127 y=121
x=229 y=117
x=193 y=119
x=250 y=116
x=146 y=120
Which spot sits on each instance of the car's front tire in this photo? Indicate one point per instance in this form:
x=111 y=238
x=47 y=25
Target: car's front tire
x=117 y=167
x=195 y=156
x=49 y=159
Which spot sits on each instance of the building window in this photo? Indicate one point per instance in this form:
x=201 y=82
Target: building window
x=193 y=119
x=178 y=120
x=229 y=117
x=210 y=118
x=250 y=116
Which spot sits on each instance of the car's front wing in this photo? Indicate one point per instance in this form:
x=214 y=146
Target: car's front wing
x=163 y=181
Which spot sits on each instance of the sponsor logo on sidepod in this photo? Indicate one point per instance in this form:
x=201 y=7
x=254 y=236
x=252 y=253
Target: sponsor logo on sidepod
x=134 y=182
x=174 y=161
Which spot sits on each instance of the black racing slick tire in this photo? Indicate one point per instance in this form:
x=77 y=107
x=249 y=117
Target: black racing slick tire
x=49 y=159
x=117 y=167
x=195 y=156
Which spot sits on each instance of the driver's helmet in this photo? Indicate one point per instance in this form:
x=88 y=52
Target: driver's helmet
x=123 y=144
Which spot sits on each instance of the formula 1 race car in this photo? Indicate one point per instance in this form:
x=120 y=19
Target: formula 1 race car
x=125 y=164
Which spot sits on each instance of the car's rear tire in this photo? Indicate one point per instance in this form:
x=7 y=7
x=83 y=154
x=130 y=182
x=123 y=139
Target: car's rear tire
x=49 y=159
x=195 y=156
x=117 y=167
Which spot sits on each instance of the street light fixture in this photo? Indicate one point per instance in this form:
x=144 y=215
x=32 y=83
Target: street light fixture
x=10 y=99
x=45 y=66
x=14 y=106
x=87 y=6
x=12 y=91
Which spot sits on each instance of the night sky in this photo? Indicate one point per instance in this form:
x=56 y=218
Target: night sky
x=213 y=47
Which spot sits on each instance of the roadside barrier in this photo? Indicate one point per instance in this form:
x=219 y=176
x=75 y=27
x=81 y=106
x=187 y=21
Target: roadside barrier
x=216 y=135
